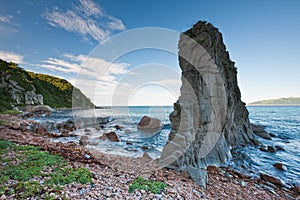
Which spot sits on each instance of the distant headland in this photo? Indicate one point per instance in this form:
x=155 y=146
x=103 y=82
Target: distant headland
x=290 y=101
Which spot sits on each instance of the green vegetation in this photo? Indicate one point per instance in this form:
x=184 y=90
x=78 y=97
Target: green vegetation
x=57 y=93
x=10 y=112
x=282 y=101
x=29 y=164
x=140 y=183
x=2 y=122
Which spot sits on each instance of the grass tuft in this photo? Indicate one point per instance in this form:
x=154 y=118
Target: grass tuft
x=140 y=183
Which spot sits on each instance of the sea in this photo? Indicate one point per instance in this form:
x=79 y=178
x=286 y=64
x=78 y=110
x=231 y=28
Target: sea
x=282 y=121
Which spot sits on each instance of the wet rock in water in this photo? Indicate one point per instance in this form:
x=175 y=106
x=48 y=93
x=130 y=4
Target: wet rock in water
x=271 y=179
x=260 y=131
x=87 y=130
x=118 y=127
x=149 y=124
x=279 y=148
x=68 y=125
x=145 y=148
x=271 y=149
x=102 y=126
x=65 y=133
x=280 y=166
x=129 y=143
x=112 y=136
x=272 y=135
x=83 y=140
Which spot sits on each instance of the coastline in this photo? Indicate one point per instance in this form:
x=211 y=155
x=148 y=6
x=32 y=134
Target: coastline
x=111 y=175
x=272 y=105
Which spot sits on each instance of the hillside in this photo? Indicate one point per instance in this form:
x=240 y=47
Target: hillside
x=19 y=87
x=281 y=101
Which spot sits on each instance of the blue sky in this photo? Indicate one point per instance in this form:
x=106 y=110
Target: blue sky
x=55 y=37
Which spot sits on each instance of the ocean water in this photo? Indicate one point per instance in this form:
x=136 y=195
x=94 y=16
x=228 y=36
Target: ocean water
x=284 y=122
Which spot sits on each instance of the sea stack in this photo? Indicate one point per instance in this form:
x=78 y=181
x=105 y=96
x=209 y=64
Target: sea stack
x=209 y=117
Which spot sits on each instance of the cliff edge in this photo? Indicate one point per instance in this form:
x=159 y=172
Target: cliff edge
x=209 y=117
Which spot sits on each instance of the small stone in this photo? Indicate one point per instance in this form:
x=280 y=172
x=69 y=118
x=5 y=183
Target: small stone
x=145 y=148
x=279 y=148
x=83 y=140
x=15 y=127
x=87 y=130
x=212 y=168
x=228 y=175
x=280 y=166
x=296 y=188
x=243 y=183
x=86 y=156
x=118 y=127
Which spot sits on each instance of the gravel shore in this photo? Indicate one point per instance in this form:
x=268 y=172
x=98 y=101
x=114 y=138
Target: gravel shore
x=112 y=175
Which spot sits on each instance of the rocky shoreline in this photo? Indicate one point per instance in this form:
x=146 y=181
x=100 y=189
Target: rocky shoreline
x=111 y=175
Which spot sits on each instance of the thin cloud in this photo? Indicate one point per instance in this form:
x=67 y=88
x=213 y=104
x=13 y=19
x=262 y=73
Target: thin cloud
x=88 y=20
x=11 y=57
x=88 y=67
x=6 y=19
x=91 y=8
x=55 y=64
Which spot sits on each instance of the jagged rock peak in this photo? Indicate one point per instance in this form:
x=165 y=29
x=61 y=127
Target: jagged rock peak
x=209 y=117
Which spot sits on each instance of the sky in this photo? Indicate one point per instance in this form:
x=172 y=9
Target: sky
x=68 y=39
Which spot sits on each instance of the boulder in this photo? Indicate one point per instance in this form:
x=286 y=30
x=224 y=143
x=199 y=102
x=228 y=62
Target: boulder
x=271 y=179
x=209 y=118
x=112 y=136
x=149 y=124
x=260 y=131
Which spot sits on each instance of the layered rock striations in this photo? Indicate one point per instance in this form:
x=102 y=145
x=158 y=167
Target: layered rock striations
x=209 y=117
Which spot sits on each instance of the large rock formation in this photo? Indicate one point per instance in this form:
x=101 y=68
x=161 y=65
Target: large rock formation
x=209 y=118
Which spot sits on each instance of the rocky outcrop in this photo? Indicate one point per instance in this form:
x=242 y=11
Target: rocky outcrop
x=31 y=98
x=209 y=117
x=260 y=131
